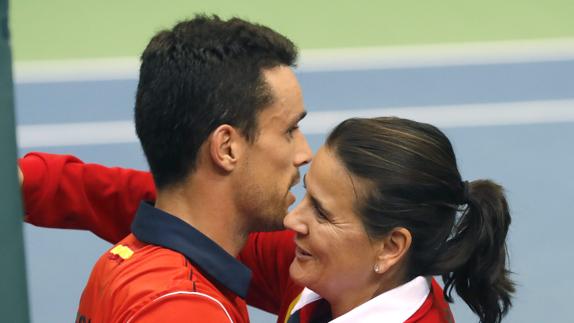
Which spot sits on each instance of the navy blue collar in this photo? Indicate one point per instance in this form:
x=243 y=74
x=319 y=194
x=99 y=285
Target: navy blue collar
x=157 y=227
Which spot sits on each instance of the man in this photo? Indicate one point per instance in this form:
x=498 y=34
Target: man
x=217 y=112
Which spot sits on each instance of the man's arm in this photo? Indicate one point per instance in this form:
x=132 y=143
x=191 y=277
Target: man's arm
x=60 y=191
x=269 y=255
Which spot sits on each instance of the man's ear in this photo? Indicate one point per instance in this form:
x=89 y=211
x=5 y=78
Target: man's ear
x=225 y=147
x=393 y=249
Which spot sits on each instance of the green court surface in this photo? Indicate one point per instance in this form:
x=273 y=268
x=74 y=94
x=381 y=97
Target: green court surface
x=61 y=29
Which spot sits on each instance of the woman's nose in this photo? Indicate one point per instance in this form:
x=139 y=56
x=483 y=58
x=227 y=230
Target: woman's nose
x=294 y=221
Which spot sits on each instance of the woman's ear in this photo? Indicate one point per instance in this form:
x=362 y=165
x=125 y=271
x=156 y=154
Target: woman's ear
x=225 y=145
x=393 y=248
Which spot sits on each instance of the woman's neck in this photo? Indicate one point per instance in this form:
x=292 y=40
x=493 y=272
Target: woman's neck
x=346 y=300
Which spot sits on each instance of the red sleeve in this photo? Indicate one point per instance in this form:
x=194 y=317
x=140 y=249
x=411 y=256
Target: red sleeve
x=60 y=191
x=189 y=308
x=269 y=255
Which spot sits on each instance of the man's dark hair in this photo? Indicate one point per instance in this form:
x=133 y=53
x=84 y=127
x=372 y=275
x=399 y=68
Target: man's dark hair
x=201 y=74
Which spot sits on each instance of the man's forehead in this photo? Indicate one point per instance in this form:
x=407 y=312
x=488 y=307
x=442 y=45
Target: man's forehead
x=281 y=114
x=287 y=105
x=283 y=83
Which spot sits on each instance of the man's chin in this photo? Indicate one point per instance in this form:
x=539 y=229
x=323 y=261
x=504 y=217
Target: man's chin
x=276 y=226
x=269 y=224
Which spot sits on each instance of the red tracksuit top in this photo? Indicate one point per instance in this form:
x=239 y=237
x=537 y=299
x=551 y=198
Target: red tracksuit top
x=60 y=191
x=165 y=271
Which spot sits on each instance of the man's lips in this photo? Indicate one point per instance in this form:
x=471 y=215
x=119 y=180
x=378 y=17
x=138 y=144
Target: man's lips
x=290 y=194
x=291 y=198
x=295 y=180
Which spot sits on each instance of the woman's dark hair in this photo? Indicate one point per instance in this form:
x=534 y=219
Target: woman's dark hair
x=459 y=229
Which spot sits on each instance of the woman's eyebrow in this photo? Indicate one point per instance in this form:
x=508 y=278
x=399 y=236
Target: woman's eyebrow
x=314 y=201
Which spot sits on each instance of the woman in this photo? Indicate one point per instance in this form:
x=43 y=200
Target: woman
x=385 y=209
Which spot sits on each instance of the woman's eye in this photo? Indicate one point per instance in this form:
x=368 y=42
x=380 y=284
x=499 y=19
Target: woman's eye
x=319 y=213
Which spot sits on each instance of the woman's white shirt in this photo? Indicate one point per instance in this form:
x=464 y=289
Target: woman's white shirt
x=393 y=306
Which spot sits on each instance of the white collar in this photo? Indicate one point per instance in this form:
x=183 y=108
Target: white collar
x=395 y=305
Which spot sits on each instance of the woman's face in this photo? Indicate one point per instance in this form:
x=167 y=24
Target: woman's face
x=333 y=254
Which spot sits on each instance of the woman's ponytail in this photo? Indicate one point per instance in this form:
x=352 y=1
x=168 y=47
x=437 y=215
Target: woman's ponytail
x=477 y=255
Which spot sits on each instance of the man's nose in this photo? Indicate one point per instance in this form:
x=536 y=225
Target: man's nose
x=304 y=153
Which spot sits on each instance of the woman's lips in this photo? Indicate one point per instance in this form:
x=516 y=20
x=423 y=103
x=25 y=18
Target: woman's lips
x=302 y=253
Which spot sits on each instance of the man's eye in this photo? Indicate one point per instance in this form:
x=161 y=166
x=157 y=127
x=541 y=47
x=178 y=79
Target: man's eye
x=292 y=130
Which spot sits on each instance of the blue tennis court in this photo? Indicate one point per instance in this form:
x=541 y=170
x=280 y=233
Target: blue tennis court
x=532 y=159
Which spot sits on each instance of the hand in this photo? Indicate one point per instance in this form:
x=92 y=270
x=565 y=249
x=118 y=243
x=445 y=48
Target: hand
x=20 y=176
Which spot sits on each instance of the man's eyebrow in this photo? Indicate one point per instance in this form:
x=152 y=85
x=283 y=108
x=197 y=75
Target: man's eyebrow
x=294 y=122
x=301 y=116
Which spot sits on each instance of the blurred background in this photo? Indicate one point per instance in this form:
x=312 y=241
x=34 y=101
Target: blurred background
x=496 y=76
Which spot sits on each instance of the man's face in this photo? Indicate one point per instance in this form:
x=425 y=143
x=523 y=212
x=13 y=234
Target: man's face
x=270 y=166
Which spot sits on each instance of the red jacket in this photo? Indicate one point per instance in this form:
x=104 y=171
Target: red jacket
x=62 y=192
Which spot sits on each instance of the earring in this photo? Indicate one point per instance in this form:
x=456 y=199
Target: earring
x=376 y=268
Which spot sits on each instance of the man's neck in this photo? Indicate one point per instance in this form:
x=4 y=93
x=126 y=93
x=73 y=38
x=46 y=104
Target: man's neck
x=208 y=212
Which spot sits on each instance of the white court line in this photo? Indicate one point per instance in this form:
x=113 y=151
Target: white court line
x=413 y=56
x=76 y=70
x=464 y=115
x=320 y=122
x=336 y=59
x=72 y=134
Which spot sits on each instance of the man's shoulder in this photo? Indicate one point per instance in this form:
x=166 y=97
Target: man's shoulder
x=132 y=268
x=175 y=305
x=130 y=258
x=135 y=278
x=140 y=302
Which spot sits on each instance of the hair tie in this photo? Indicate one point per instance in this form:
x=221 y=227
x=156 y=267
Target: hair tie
x=465 y=192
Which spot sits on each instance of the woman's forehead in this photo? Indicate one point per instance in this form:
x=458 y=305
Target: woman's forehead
x=328 y=179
